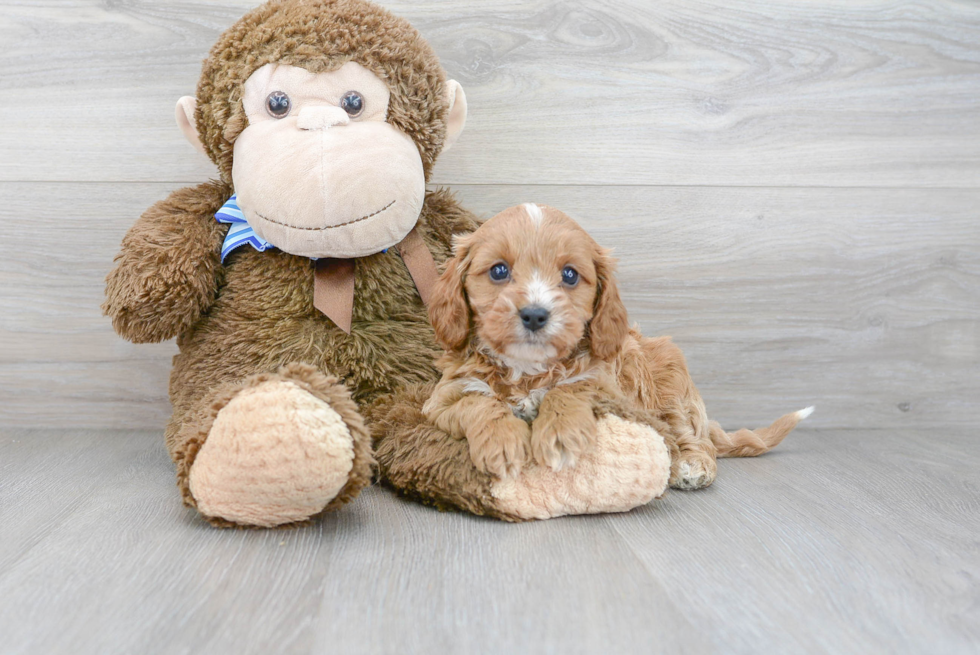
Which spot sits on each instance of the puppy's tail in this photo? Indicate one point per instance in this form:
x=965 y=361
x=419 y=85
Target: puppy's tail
x=749 y=443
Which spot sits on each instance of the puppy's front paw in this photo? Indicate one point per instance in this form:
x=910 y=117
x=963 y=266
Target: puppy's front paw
x=559 y=438
x=499 y=447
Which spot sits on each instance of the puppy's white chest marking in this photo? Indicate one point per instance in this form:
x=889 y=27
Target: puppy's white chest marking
x=526 y=408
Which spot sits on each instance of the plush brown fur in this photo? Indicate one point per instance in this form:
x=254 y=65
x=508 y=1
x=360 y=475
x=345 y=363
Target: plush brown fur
x=168 y=270
x=262 y=317
x=253 y=319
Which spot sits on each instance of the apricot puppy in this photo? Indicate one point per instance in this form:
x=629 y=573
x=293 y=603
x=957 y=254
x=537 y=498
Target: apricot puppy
x=537 y=338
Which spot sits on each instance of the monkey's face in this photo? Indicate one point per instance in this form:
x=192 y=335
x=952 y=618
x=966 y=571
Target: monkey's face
x=318 y=171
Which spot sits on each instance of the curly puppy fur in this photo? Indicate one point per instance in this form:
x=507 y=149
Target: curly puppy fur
x=537 y=338
x=254 y=315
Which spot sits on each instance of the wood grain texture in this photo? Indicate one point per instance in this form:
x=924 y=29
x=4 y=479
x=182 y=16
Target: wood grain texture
x=864 y=302
x=840 y=541
x=705 y=92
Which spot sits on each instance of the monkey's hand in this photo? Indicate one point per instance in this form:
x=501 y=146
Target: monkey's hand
x=564 y=429
x=166 y=272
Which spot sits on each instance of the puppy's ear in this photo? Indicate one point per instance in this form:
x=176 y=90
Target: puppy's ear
x=610 y=323
x=449 y=312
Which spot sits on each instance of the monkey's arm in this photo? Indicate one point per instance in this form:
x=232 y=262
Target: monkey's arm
x=167 y=270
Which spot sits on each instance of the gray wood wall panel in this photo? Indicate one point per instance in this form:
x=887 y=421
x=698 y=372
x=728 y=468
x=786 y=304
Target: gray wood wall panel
x=863 y=302
x=687 y=92
x=792 y=188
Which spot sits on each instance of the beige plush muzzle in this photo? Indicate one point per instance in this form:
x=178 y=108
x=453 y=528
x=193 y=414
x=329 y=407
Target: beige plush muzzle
x=318 y=185
x=316 y=180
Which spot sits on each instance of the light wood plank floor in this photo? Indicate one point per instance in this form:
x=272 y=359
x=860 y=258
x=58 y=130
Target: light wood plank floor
x=849 y=541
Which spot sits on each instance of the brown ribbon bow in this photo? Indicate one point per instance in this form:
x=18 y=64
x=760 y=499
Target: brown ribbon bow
x=333 y=282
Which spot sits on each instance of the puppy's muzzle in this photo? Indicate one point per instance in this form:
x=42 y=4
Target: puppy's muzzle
x=534 y=318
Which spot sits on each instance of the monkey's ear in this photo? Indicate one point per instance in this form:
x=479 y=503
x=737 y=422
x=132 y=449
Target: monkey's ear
x=186 y=107
x=457 y=113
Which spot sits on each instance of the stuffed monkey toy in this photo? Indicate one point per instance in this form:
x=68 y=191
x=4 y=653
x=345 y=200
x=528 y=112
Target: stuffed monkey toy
x=295 y=283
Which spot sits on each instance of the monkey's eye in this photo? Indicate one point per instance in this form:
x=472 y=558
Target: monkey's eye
x=569 y=276
x=278 y=104
x=352 y=103
x=499 y=272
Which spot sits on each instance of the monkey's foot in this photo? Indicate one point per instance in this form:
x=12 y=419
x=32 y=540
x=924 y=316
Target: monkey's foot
x=279 y=452
x=629 y=466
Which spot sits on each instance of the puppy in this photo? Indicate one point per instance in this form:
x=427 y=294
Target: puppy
x=537 y=339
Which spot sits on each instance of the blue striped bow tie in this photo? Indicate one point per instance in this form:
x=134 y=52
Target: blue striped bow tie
x=240 y=231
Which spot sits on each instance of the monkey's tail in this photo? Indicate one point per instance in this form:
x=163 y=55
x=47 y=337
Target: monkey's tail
x=749 y=443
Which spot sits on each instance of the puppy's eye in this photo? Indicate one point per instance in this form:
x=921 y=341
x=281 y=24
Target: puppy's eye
x=569 y=276
x=499 y=272
x=277 y=104
x=352 y=103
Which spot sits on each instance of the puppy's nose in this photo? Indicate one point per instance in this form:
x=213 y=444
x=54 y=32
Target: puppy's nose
x=534 y=318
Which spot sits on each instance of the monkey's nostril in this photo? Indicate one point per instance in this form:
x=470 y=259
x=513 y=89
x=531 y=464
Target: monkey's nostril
x=534 y=318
